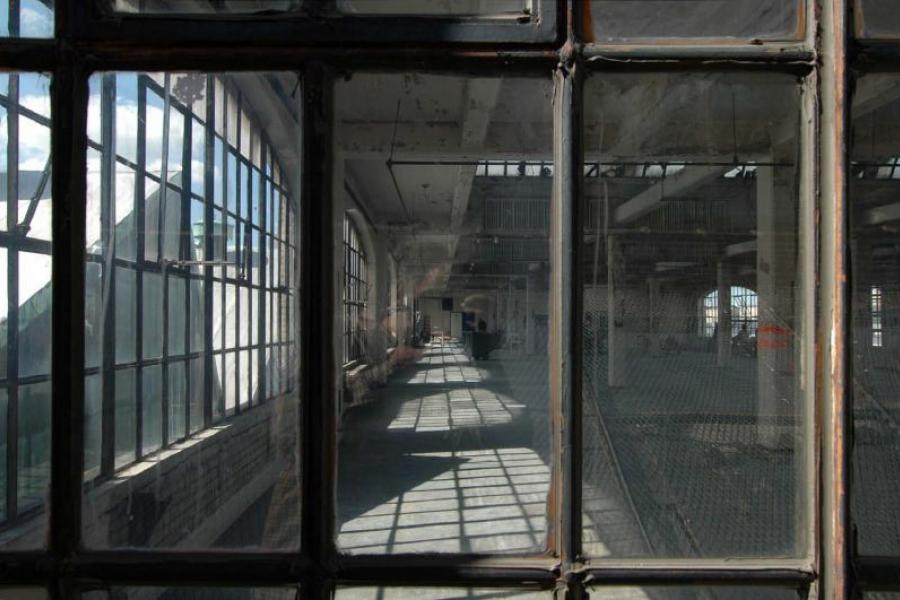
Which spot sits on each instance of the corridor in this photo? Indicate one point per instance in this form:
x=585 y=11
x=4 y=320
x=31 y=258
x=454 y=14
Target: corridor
x=450 y=456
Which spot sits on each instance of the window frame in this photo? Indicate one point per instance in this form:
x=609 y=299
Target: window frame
x=321 y=24
x=86 y=42
x=215 y=274
x=356 y=293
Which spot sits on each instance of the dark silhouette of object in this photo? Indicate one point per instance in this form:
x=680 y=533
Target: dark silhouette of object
x=480 y=343
x=670 y=346
x=742 y=344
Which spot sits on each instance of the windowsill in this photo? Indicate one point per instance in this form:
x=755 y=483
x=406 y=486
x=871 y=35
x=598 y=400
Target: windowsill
x=100 y=497
x=352 y=369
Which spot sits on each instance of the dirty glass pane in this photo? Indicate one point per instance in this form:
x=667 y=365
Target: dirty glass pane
x=693 y=593
x=697 y=377
x=185 y=593
x=23 y=593
x=743 y=20
x=25 y=307
x=439 y=593
x=26 y=18
x=33 y=462
x=445 y=432
x=170 y=466
x=875 y=302
x=438 y=7
x=877 y=19
x=126 y=418
x=193 y=7
x=92 y=423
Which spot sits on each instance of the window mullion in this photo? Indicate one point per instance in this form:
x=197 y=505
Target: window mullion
x=565 y=320
x=318 y=361
x=835 y=534
x=69 y=91
x=107 y=229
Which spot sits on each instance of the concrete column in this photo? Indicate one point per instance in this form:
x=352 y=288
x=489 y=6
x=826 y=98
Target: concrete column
x=723 y=341
x=615 y=303
x=775 y=276
x=653 y=285
x=337 y=223
x=510 y=305
x=379 y=295
x=529 y=314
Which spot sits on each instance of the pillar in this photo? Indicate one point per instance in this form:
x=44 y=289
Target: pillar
x=529 y=314
x=775 y=276
x=615 y=302
x=723 y=341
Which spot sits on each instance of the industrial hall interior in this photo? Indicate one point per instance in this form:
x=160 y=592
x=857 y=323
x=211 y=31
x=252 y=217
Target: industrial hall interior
x=694 y=258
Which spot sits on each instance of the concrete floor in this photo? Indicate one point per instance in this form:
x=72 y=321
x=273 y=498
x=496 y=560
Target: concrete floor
x=450 y=456
x=683 y=434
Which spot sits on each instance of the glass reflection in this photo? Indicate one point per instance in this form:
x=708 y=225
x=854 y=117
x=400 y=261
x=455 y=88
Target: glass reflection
x=190 y=446
x=25 y=307
x=697 y=375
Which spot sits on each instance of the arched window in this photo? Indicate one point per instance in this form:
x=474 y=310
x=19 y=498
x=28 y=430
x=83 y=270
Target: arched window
x=744 y=311
x=356 y=293
x=875 y=305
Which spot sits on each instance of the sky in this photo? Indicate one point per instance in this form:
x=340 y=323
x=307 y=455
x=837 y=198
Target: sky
x=36 y=20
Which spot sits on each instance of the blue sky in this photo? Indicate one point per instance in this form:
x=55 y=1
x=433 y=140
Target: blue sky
x=35 y=21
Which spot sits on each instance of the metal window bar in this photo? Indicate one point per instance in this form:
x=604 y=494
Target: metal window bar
x=355 y=294
x=875 y=304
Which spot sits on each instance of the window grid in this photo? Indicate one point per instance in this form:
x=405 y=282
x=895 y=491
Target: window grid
x=25 y=247
x=356 y=294
x=169 y=369
x=876 y=299
x=744 y=312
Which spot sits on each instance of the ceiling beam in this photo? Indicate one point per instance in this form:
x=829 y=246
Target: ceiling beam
x=653 y=197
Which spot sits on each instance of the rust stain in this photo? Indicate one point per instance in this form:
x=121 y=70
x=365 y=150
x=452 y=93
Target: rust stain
x=587 y=19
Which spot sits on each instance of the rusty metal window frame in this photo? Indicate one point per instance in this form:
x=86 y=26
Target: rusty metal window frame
x=320 y=50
